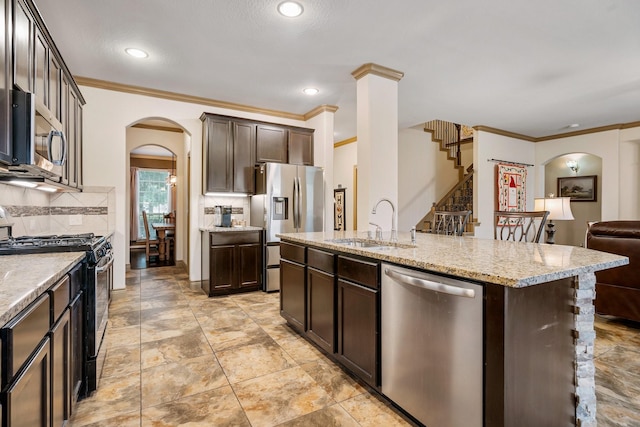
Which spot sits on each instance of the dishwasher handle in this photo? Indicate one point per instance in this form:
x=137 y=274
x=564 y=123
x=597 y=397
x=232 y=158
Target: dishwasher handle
x=430 y=285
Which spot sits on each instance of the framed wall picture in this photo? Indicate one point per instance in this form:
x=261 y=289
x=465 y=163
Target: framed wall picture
x=579 y=188
x=338 y=209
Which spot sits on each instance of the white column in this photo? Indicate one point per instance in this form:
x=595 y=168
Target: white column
x=321 y=119
x=377 y=127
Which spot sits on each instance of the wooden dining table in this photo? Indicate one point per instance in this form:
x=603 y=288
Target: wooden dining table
x=161 y=230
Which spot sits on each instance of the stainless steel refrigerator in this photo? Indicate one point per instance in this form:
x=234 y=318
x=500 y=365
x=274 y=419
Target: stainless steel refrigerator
x=288 y=199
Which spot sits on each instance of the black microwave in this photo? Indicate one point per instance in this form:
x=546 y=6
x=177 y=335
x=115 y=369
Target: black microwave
x=39 y=143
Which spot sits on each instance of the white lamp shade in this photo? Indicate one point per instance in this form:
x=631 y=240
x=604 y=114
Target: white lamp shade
x=559 y=207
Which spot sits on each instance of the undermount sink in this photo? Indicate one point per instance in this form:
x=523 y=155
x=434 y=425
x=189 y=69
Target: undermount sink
x=370 y=244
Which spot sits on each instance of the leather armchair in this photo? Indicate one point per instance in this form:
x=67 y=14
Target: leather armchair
x=618 y=289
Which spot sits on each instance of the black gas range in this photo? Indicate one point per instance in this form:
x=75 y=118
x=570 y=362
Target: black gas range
x=96 y=247
x=95 y=293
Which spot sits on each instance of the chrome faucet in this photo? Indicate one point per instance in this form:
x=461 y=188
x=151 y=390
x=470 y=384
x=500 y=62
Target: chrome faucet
x=394 y=218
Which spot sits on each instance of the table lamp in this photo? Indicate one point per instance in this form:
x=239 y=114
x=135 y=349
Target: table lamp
x=559 y=209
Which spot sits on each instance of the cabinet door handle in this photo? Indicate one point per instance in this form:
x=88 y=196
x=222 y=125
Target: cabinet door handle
x=430 y=285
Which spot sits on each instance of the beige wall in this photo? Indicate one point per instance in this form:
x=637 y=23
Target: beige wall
x=572 y=232
x=107 y=115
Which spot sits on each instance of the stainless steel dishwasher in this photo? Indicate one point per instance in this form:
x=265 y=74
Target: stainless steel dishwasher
x=432 y=346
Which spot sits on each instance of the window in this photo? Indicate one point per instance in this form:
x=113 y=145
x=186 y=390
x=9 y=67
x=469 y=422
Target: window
x=154 y=197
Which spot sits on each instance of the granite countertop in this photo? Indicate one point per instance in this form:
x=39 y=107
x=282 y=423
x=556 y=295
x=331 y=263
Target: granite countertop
x=228 y=229
x=504 y=263
x=23 y=278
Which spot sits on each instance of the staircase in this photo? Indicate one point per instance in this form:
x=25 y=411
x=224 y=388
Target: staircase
x=450 y=136
x=459 y=198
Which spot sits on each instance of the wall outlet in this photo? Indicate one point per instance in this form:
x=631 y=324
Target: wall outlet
x=75 y=219
x=32 y=225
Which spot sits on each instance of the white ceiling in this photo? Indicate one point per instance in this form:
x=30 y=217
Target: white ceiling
x=530 y=67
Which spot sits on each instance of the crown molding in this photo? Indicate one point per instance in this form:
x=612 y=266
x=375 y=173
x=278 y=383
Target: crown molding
x=156 y=93
x=559 y=135
x=156 y=127
x=324 y=108
x=377 y=70
x=504 y=133
x=345 y=142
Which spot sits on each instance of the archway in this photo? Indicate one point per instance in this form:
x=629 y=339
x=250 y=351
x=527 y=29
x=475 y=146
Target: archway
x=561 y=170
x=161 y=144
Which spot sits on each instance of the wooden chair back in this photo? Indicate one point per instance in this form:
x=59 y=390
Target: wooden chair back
x=151 y=245
x=520 y=226
x=450 y=223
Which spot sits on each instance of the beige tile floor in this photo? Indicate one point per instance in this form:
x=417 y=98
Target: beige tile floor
x=176 y=357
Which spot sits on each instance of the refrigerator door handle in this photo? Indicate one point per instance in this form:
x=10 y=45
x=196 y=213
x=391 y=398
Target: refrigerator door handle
x=299 y=204
x=295 y=203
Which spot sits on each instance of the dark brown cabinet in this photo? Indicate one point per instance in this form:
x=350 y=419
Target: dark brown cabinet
x=333 y=300
x=23 y=52
x=26 y=401
x=235 y=262
x=5 y=84
x=321 y=296
x=292 y=285
x=271 y=144
x=300 y=145
x=60 y=369
x=232 y=146
x=41 y=348
x=35 y=65
x=229 y=154
x=358 y=317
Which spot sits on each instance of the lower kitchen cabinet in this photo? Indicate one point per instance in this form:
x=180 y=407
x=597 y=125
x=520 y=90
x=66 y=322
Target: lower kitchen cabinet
x=358 y=339
x=321 y=299
x=292 y=284
x=334 y=301
x=26 y=401
x=42 y=356
x=292 y=293
x=235 y=262
x=60 y=370
x=359 y=317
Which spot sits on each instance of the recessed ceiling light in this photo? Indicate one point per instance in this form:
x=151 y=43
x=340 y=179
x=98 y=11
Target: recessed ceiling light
x=290 y=9
x=136 y=53
x=310 y=91
x=574 y=125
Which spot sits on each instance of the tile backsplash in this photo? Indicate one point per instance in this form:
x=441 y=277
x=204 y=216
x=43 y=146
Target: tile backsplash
x=33 y=212
x=239 y=208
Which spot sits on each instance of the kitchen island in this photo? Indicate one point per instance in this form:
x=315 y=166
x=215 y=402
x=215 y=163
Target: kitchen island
x=536 y=337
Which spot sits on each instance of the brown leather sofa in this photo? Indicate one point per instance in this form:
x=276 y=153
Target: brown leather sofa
x=618 y=289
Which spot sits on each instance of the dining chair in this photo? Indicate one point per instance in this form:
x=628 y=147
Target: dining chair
x=451 y=223
x=519 y=226
x=152 y=248
x=170 y=235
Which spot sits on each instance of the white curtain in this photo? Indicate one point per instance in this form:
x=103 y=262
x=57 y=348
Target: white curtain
x=134 y=215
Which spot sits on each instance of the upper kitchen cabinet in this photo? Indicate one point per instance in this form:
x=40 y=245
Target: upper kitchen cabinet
x=232 y=147
x=5 y=84
x=229 y=154
x=284 y=144
x=23 y=47
x=271 y=144
x=34 y=64
x=301 y=147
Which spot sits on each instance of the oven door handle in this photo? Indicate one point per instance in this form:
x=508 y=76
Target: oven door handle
x=105 y=267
